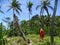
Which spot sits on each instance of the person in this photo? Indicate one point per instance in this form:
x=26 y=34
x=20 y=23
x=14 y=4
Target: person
x=41 y=34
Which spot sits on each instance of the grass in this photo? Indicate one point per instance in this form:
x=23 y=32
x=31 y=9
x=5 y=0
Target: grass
x=35 y=39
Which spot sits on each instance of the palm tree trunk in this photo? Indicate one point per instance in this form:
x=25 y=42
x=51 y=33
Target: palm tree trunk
x=42 y=20
x=13 y=12
x=29 y=16
x=42 y=23
x=19 y=29
x=53 y=18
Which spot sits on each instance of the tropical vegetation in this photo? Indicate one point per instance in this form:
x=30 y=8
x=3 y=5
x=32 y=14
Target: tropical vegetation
x=26 y=32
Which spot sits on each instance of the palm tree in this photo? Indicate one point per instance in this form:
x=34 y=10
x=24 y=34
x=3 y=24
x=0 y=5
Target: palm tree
x=53 y=19
x=15 y=5
x=44 y=6
x=29 y=6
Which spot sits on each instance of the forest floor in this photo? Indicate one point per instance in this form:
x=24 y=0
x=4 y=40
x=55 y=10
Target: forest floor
x=35 y=40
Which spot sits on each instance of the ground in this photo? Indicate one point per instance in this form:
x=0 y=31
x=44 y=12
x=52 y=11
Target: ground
x=35 y=40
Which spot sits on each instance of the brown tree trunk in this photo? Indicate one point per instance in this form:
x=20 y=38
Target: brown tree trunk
x=16 y=24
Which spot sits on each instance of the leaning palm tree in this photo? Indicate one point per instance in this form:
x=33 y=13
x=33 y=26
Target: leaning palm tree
x=53 y=18
x=44 y=6
x=15 y=6
x=29 y=6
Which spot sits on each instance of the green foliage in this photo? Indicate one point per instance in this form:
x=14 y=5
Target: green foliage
x=13 y=32
x=3 y=32
x=35 y=25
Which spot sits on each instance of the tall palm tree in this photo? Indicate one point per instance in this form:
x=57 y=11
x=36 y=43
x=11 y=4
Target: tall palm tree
x=29 y=6
x=44 y=6
x=15 y=5
x=53 y=19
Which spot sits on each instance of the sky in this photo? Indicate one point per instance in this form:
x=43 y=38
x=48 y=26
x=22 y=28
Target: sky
x=24 y=15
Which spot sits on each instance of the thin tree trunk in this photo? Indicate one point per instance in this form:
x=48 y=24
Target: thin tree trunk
x=53 y=18
x=13 y=12
x=42 y=23
x=42 y=19
x=29 y=16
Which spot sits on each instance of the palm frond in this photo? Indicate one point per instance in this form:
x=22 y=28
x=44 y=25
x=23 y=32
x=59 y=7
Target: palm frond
x=46 y=9
x=50 y=7
x=17 y=11
x=9 y=9
x=38 y=7
x=7 y=18
x=41 y=10
x=19 y=4
x=1 y=11
x=4 y=20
